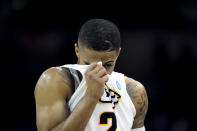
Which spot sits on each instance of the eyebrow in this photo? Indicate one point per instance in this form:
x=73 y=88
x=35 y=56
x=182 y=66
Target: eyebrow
x=109 y=62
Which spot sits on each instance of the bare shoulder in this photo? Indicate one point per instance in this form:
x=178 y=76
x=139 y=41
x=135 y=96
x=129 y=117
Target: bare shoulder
x=131 y=83
x=51 y=95
x=138 y=95
x=53 y=81
x=136 y=92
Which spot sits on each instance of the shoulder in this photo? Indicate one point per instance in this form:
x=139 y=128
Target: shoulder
x=51 y=94
x=52 y=75
x=54 y=81
x=134 y=88
x=138 y=95
x=136 y=91
x=133 y=85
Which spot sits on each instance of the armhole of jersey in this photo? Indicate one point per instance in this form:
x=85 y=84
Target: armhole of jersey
x=73 y=68
x=81 y=69
x=132 y=104
x=75 y=76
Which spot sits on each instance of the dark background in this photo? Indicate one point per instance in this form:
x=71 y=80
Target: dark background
x=159 y=49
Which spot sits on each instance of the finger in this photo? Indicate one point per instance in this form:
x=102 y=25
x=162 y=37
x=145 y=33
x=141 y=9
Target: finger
x=105 y=78
x=91 y=67
x=97 y=69
x=101 y=73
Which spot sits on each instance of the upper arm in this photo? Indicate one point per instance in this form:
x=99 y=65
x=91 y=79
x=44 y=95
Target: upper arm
x=51 y=93
x=139 y=97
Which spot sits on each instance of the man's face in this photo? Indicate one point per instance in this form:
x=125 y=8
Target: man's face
x=87 y=56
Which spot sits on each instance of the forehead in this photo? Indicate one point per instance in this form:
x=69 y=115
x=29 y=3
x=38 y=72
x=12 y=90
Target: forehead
x=93 y=56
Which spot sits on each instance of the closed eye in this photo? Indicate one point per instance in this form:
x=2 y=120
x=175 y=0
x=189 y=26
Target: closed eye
x=86 y=63
x=107 y=65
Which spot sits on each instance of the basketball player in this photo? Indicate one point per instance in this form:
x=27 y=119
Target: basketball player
x=89 y=95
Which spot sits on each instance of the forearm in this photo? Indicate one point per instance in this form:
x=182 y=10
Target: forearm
x=79 y=117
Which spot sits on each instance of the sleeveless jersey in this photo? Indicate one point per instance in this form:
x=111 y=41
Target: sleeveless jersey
x=114 y=111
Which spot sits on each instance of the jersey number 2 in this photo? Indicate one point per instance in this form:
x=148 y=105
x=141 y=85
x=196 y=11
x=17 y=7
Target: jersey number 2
x=105 y=116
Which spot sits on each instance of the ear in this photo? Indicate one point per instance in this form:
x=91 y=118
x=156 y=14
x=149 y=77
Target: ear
x=118 y=52
x=77 y=50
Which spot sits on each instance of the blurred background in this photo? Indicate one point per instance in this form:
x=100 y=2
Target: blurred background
x=159 y=49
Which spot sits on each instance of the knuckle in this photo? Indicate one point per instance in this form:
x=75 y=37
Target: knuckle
x=103 y=68
x=90 y=75
x=104 y=72
x=99 y=66
x=106 y=78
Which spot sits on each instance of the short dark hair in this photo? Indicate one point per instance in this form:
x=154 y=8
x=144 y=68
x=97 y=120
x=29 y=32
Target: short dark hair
x=100 y=35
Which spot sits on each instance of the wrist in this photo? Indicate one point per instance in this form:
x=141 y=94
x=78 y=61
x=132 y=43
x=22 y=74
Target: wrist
x=91 y=99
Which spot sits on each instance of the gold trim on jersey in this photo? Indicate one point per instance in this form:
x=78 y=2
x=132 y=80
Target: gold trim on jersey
x=107 y=120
